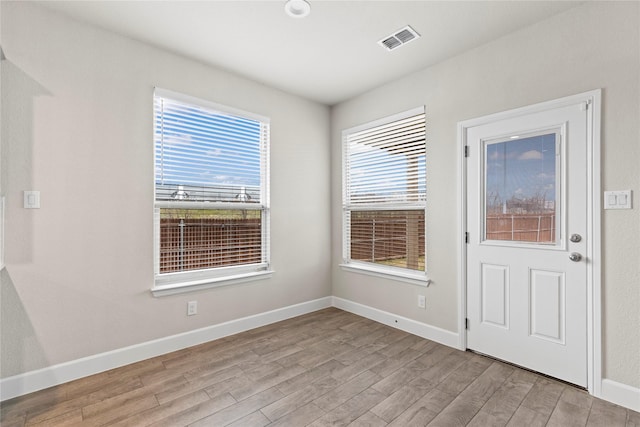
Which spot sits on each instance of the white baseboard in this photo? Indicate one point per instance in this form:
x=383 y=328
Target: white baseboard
x=620 y=394
x=29 y=382
x=414 y=327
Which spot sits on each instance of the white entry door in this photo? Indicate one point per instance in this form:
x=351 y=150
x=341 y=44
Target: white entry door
x=526 y=218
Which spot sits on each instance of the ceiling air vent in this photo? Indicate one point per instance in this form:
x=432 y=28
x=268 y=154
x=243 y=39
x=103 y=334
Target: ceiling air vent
x=399 y=38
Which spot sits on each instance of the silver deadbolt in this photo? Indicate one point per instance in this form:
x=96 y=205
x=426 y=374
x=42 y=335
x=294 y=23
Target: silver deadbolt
x=575 y=238
x=575 y=257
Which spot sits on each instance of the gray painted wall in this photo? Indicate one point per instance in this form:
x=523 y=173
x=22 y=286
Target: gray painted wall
x=595 y=45
x=77 y=126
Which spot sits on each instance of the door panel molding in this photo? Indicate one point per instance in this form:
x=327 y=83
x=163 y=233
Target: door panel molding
x=547 y=305
x=590 y=101
x=495 y=281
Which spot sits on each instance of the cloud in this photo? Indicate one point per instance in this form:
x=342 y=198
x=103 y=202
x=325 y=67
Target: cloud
x=496 y=156
x=530 y=155
x=176 y=139
x=546 y=176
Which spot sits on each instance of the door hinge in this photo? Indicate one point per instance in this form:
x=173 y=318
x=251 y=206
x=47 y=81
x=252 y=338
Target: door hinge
x=466 y=151
x=466 y=323
x=584 y=106
x=466 y=237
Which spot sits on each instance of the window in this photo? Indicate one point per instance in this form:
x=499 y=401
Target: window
x=211 y=213
x=384 y=197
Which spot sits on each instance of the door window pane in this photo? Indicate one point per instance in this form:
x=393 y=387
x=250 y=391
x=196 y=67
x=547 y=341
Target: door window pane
x=521 y=189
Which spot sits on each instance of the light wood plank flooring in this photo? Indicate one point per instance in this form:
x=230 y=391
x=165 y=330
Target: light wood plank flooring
x=328 y=368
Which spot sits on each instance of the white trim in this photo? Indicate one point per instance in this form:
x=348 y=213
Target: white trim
x=414 y=327
x=195 y=205
x=205 y=103
x=594 y=251
x=594 y=300
x=621 y=394
x=535 y=108
x=192 y=280
x=29 y=382
x=1 y=232
x=173 y=287
x=462 y=228
x=384 y=120
x=18 y=385
x=391 y=273
x=348 y=206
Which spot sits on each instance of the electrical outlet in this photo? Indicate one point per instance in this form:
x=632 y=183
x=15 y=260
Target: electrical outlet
x=422 y=301
x=192 y=308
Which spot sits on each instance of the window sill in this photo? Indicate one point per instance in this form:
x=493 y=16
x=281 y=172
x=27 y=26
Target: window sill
x=419 y=279
x=207 y=283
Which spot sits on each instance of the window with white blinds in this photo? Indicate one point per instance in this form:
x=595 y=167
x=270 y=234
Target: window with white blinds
x=384 y=195
x=211 y=191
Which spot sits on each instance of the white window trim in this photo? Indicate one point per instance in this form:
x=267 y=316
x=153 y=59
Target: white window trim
x=1 y=233
x=203 y=279
x=194 y=280
x=208 y=104
x=387 y=272
x=420 y=278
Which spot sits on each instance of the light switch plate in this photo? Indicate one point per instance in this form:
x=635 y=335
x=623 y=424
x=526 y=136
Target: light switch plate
x=617 y=199
x=32 y=200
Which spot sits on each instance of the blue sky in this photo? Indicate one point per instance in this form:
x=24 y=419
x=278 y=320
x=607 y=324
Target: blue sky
x=365 y=179
x=522 y=168
x=199 y=147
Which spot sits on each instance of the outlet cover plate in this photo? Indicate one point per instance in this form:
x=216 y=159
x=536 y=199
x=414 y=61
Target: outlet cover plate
x=422 y=301
x=192 y=308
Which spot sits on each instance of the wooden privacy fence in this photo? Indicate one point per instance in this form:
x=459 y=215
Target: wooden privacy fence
x=382 y=236
x=191 y=244
x=539 y=228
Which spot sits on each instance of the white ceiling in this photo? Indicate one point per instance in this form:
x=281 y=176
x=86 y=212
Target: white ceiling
x=329 y=56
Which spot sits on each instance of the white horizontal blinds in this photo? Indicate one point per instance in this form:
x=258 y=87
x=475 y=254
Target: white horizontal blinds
x=386 y=163
x=207 y=155
x=211 y=187
x=385 y=192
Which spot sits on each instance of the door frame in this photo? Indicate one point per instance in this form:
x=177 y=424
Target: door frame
x=593 y=101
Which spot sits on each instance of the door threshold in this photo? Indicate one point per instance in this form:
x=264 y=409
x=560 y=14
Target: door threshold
x=529 y=370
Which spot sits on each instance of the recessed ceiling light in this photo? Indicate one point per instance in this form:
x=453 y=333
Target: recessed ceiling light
x=297 y=8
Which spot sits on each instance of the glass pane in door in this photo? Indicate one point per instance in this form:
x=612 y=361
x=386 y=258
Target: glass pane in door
x=521 y=188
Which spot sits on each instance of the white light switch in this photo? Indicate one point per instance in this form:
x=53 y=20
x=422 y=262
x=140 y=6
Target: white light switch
x=32 y=200
x=617 y=199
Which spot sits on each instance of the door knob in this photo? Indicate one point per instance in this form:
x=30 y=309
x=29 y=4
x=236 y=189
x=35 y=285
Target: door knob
x=575 y=257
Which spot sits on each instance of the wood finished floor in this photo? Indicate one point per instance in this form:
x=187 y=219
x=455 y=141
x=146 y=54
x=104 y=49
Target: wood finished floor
x=328 y=368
